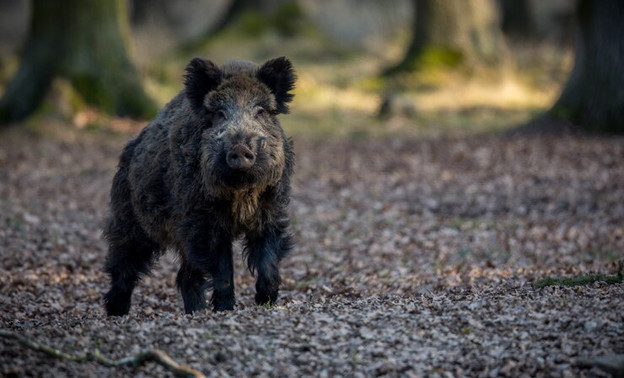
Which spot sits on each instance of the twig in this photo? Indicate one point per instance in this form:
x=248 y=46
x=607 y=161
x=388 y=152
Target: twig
x=153 y=355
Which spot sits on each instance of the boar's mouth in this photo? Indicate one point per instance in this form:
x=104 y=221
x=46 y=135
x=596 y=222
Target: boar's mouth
x=222 y=177
x=226 y=178
x=237 y=179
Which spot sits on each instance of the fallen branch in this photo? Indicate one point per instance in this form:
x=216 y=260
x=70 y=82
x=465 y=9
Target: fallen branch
x=152 y=355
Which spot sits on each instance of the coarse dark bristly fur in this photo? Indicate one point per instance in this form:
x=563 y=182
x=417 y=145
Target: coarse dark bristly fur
x=214 y=165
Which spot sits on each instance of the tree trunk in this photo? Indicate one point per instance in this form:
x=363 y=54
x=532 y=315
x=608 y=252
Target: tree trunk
x=517 y=19
x=84 y=41
x=593 y=97
x=451 y=33
x=265 y=8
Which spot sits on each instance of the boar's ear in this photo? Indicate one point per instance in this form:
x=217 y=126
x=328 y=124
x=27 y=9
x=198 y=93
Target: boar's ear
x=201 y=77
x=279 y=75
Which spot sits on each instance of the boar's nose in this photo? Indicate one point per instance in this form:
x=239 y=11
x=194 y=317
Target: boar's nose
x=240 y=157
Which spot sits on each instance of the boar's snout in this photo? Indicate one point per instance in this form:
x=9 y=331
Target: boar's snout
x=240 y=157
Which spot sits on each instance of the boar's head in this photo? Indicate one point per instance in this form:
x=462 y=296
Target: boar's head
x=243 y=144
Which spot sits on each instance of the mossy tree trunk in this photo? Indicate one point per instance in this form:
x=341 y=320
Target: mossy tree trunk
x=85 y=42
x=453 y=32
x=593 y=96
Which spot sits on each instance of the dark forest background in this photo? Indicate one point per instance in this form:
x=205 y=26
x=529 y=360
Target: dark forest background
x=365 y=67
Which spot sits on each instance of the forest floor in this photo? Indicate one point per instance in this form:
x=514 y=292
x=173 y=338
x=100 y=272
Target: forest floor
x=415 y=256
x=420 y=236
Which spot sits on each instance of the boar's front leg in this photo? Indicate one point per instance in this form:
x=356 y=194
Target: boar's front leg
x=264 y=252
x=223 y=279
x=192 y=285
x=208 y=253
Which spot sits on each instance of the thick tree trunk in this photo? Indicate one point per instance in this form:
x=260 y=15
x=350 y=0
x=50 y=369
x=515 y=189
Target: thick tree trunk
x=453 y=32
x=84 y=41
x=38 y=65
x=517 y=19
x=593 y=97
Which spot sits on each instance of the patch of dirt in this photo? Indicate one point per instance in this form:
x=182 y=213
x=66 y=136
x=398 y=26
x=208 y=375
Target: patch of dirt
x=414 y=257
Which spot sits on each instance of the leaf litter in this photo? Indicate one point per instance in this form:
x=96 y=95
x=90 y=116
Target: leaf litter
x=415 y=257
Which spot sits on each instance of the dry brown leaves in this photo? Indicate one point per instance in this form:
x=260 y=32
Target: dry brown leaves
x=414 y=257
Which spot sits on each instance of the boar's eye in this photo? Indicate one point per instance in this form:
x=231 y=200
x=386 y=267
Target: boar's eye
x=220 y=114
x=259 y=112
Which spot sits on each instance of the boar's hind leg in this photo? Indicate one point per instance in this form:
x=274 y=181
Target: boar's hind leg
x=131 y=255
x=264 y=252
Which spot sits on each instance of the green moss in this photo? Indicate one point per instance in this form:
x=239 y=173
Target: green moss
x=374 y=84
x=577 y=281
x=439 y=57
x=69 y=95
x=286 y=21
x=124 y=98
x=93 y=92
x=582 y=280
x=430 y=59
x=253 y=24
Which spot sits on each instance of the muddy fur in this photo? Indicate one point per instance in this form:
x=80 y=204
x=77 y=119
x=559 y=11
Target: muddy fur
x=213 y=166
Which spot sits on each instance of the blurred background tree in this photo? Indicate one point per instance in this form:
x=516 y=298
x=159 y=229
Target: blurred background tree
x=186 y=25
x=593 y=96
x=160 y=27
x=86 y=43
x=339 y=47
x=452 y=33
x=517 y=19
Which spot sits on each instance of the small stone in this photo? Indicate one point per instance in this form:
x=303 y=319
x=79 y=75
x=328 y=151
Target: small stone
x=590 y=326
